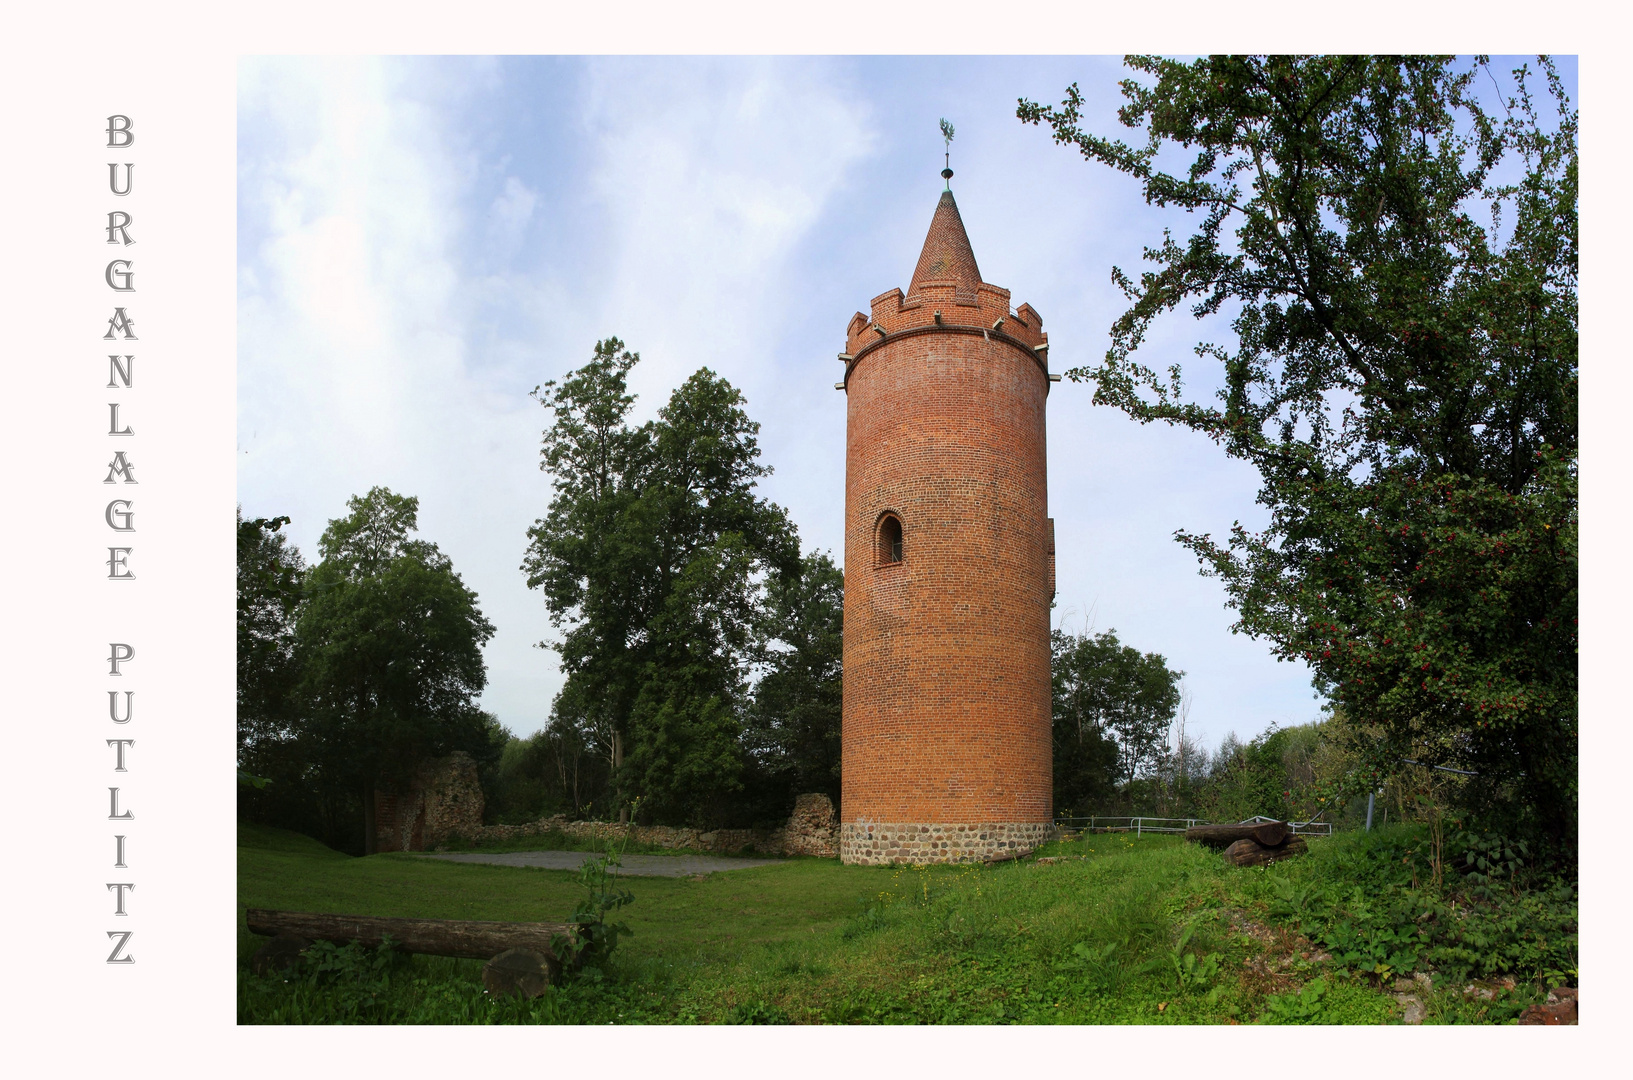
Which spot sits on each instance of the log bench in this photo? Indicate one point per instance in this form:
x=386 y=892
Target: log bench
x=1266 y=833
x=521 y=956
x=1254 y=843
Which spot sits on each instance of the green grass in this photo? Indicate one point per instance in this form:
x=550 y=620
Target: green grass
x=761 y=905
x=1127 y=930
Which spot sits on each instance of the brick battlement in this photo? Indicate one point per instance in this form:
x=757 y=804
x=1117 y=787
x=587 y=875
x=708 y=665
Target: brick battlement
x=959 y=309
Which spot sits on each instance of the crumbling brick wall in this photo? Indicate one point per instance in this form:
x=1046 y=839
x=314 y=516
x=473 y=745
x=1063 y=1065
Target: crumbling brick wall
x=444 y=799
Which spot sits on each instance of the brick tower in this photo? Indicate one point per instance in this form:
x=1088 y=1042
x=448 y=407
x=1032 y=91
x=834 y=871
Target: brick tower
x=949 y=568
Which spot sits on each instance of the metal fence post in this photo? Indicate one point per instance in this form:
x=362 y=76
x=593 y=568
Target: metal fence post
x=1370 y=796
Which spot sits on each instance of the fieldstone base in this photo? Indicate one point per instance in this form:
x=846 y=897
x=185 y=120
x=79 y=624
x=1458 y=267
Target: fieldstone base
x=874 y=843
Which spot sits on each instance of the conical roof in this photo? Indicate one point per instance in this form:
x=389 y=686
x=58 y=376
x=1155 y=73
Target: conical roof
x=947 y=252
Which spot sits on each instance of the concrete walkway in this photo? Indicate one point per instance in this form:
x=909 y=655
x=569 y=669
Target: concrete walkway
x=631 y=865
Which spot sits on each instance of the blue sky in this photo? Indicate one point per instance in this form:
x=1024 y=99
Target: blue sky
x=423 y=241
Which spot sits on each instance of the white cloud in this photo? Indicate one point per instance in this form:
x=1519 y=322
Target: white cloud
x=509 y=217
x=355 y=331
x=712 y=174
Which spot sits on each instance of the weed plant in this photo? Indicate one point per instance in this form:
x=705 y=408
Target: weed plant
x=1370 y=901
x=586 y=952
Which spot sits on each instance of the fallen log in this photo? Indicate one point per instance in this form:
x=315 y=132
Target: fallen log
x=1267 y=833
x=1249 y=852
x=435 y=937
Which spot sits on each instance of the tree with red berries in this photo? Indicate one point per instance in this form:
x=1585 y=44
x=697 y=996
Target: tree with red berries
x=1400 y=260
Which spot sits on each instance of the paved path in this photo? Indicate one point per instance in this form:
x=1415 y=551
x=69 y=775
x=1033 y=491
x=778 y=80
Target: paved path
x=632 y=865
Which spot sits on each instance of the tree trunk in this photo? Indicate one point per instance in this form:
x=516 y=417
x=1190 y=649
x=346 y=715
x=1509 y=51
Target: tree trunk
x=1250 y=852
x=435 y=937
x=371 y=839
x=1267 y=833
x=617 y=763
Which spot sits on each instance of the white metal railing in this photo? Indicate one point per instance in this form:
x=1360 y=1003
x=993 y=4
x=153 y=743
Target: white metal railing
x=1306 y=828
x=1135 y=825
x=1141 y=825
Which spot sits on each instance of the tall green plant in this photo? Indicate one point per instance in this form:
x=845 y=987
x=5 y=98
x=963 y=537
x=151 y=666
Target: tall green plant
x=794 y=721
x=1112 y=709
x=586 y=951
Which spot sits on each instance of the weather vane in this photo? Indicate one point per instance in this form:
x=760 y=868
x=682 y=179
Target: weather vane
x=947 y=140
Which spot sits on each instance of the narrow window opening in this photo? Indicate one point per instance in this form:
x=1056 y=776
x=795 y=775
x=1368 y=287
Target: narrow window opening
x=890 y=539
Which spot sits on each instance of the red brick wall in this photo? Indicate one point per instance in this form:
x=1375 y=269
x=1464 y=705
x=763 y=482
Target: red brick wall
x=946 y=690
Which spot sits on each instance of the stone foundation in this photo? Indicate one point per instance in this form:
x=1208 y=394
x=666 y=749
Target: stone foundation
x=876 y=843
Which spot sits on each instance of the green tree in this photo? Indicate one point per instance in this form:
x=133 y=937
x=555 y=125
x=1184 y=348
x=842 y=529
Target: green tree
x=1113 y=706
x=794 y=721
x=269 y=591
x=1280 y=773
x=1403 y=377
x=390 y=645
x=270 y=763
x=1246 y=779
x=551 y=771
x=653 y=560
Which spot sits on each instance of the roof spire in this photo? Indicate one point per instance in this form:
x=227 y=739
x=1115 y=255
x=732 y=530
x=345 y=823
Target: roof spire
x=947 y=154
x=947 y=254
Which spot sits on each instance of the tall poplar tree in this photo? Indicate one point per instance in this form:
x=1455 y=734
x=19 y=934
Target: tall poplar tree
x=794 y=720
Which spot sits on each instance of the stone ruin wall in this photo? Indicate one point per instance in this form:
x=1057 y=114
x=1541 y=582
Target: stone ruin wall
x=445 y=801
x=811 y=830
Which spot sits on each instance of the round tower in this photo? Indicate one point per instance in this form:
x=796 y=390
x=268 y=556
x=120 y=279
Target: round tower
x=949 y=568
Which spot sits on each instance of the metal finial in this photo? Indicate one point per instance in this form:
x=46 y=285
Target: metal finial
x=947 y=156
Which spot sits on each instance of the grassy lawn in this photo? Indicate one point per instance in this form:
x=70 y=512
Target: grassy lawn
x=1124 y=930
x=673 y=918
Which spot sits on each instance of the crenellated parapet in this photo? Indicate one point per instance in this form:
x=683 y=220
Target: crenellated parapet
x=946 y=305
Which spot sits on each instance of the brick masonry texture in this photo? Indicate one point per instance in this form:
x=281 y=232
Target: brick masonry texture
x=946 y=652
x=947 y=254
x=868 y=843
